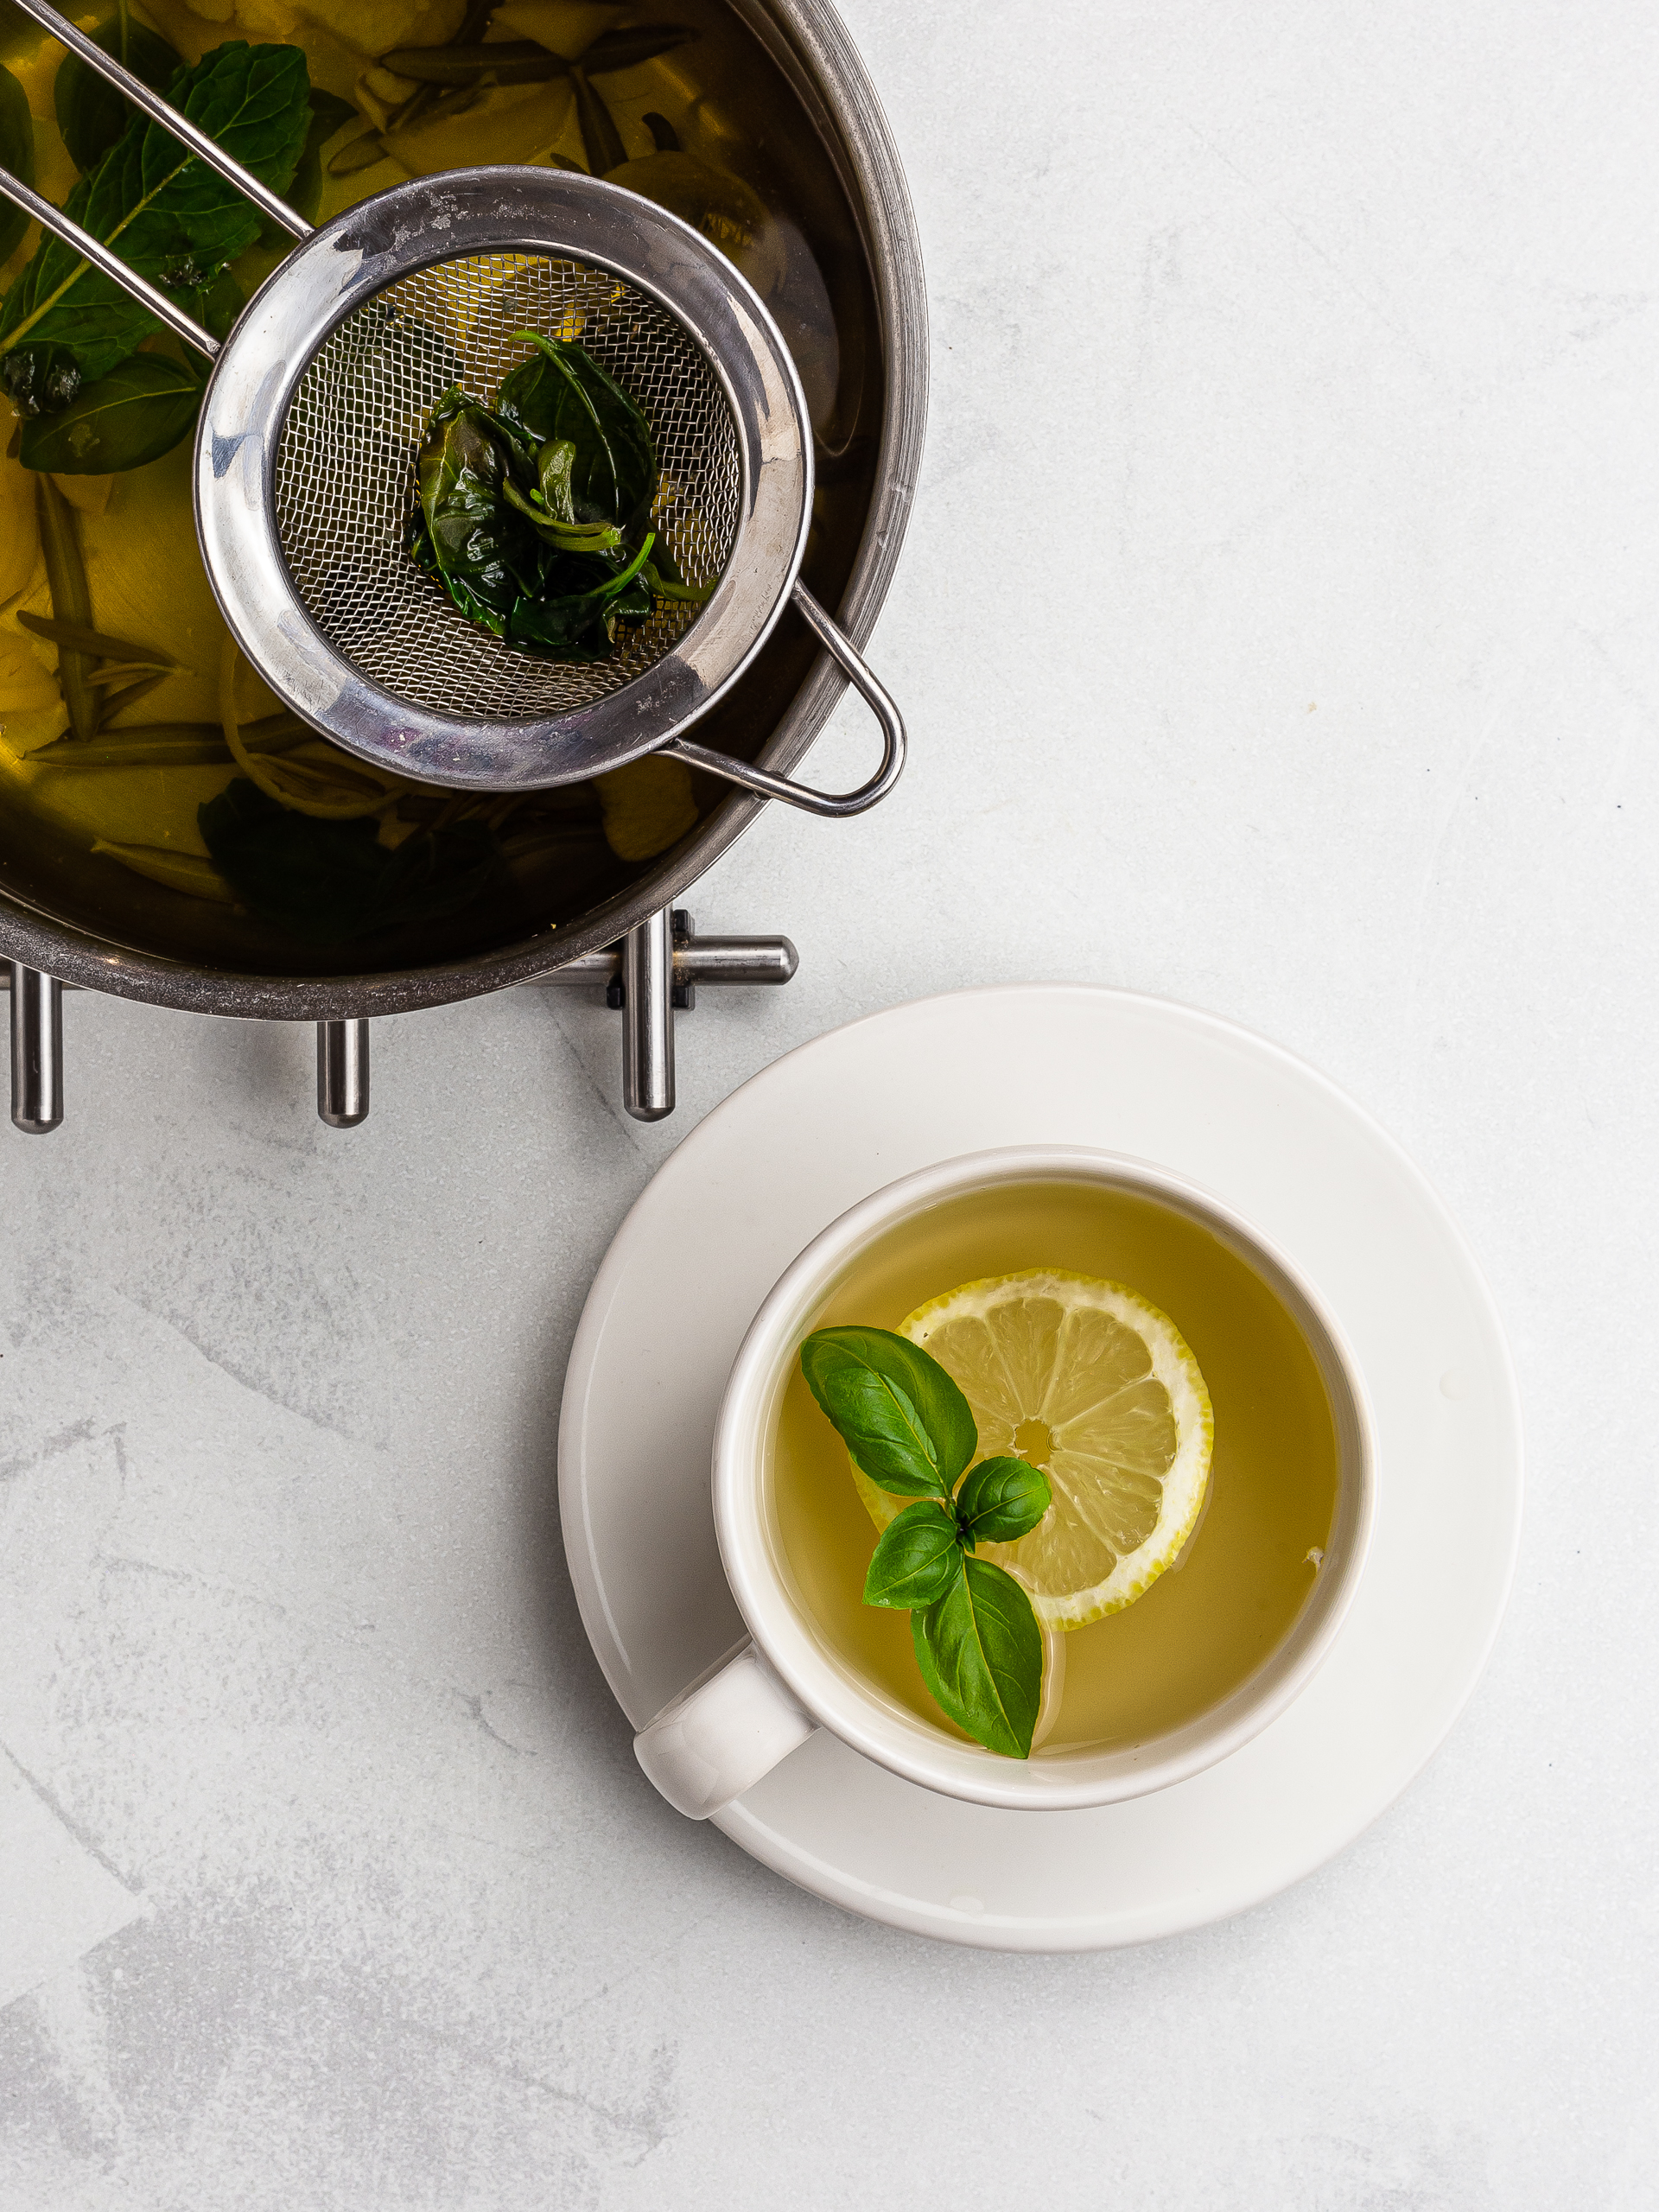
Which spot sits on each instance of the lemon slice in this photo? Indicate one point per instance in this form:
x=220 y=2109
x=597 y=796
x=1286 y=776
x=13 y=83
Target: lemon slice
x=1091 y=1382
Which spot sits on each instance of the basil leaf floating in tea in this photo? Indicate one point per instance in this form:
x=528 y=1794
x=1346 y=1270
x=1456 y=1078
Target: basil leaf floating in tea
x=134 y=414
x=619 y=49
x=16 y=155
x=600 y=139
x=911 y=1430
x=917 y=1558
x=167 y=214
x=981 y=1653
x=898 y=1413
x=1000 y=1501
x=92 y=114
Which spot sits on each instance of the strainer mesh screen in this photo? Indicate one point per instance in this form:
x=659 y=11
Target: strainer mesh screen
x=345 y=472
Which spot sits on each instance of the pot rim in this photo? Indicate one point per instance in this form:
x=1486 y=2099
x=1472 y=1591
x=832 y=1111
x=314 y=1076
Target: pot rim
x=809 y=43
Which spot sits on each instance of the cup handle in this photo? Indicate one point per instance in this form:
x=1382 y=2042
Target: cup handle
x=715 y=1739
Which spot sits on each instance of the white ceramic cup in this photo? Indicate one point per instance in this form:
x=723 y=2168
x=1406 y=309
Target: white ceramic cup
x=733 y=1725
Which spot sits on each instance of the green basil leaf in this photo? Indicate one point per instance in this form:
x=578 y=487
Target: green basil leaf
x=901 y=1416
x=473 y=537
x=16 y=155
x=167 y=214
x=981 y=1653
x=562 y=394
x=567 y=536
x=562 y=629
x=331 y=882
x=1001 y=1500
x=633 y=604
x=559 y=623
x=517 y=505
x=177 y=215
x=134 y=414
x=917 y=1559
x=678 y=594
x=92 y=114
x=555 y=467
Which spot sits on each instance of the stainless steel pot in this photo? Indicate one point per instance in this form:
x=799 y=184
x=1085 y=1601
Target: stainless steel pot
x=629 y=931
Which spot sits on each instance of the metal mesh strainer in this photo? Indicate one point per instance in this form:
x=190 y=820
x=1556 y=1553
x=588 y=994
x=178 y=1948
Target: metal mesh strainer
x=346 y=473
x=305 y=448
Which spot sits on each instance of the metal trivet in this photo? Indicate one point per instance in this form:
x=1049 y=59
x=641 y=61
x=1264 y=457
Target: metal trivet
x=650 y=977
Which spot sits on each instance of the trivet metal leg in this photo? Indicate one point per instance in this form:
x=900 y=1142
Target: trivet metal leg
x=36 y=1050
x=654 y=974
x=648 y=1019
x=343 y=1073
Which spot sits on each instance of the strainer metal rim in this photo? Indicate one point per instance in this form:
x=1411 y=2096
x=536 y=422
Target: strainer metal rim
x=349 y=260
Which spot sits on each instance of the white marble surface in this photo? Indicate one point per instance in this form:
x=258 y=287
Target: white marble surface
x=1311 y=354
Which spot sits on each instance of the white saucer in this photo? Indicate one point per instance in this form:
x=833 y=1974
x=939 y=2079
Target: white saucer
x=842 y=1116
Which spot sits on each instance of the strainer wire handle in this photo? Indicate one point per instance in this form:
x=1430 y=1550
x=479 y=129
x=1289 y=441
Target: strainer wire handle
x=140 y=94
x=835 y=804
x=182 y=324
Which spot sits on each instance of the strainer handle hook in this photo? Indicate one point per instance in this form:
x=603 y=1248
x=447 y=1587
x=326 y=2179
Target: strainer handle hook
x=881 y=704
